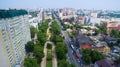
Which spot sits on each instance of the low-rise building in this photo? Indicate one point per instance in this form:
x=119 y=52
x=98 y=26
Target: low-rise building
x=104 y=63
x=47 y=15
x=109 y=39
x=113 y=25
x=80 y=20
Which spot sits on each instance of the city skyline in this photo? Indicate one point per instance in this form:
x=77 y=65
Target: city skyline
x=78 y=4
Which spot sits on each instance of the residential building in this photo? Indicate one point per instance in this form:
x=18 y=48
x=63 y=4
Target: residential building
x=94 y=14
x=83 y=40
x=80 y=20
x=14 y=34
x=104 y=49
x=113 y=25
x=109 y=39
x=47 y=15
x=104 y=63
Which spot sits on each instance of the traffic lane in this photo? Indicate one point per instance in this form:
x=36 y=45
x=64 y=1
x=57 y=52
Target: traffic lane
x=70 y=53
x=69 y=43
x=69 y=49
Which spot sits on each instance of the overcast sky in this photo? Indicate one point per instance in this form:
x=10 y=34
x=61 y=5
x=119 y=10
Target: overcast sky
x=83 y=4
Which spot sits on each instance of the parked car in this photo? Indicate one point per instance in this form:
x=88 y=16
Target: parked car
x=76 y=55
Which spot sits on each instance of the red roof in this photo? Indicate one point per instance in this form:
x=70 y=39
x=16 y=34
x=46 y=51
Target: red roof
x=114 y=26
x=86 y=46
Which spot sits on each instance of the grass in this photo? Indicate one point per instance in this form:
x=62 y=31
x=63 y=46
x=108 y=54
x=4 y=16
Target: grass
x=49 y=58
x=49 y=54
x=49 y=63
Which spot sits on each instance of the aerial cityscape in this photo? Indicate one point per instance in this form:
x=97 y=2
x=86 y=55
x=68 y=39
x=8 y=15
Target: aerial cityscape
x=65 y=33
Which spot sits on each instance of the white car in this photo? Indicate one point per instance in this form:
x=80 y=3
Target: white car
x=78 y=60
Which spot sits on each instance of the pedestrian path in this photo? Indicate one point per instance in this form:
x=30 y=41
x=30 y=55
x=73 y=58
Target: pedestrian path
x=54 y=58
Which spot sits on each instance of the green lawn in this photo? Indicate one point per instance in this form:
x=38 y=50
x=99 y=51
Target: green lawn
x=49 y=63
x=49 y=58
x=49 y=54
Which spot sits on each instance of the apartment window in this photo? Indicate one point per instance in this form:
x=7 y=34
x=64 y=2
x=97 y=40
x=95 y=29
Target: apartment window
x=8 y=50
x=3 y=29
x=6 y=46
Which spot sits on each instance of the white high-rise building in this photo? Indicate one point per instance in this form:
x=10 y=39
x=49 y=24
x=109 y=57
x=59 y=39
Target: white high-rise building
x=14 y=34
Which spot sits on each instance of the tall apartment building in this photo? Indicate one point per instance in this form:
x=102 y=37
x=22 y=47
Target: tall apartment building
x=14 y=34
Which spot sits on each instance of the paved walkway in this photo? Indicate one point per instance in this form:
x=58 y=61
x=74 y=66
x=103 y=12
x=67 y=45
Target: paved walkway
x=54 y=58
x=43 y=63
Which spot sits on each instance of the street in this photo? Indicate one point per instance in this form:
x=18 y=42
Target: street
x=72 y=58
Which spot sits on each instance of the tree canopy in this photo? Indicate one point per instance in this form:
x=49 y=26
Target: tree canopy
x=30 y=62
x=33 y=31
x=101 y=28
x=90 y=56
x=55 y=28
x=41 y=34
x=64 y=63
x=38 y=52
x=61 y=50
x=29 y=47
x=115 y=33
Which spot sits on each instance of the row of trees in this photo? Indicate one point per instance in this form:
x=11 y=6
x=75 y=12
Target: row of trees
x=90 y=56
x=102 y=29
x=60 y=48
x=64 y=63
x=33 y=30
x=55 y=28
x=30 y=62
x=115 y=33
x=36 y=50
x=41 y=33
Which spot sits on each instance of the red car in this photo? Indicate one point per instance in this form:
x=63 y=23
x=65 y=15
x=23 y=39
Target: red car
x=76 y=55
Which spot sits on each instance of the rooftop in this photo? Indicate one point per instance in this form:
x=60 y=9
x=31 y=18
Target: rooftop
x=105 y=63
x=12 y=13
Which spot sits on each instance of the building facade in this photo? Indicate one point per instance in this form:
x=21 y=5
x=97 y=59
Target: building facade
x=14 y=34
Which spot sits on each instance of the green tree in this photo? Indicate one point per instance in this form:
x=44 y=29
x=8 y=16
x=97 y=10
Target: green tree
x=101 y=28
x=32 y=31
x=87 y=59
x=49 y=46
x=29 y=47
x=55 y=28
x=64 y=63
x=41 y=34
x=38 y=43
x=30 y=62
x=41 y=37
x=38 y=52
x=91 y=55
x=115 y=33
x=61 y=54
x=56 y=38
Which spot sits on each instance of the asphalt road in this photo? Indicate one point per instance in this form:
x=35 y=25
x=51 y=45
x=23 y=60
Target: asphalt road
x=72 y=58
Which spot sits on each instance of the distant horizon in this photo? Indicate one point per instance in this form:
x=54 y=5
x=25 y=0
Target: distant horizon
x=59 y=8
x=77 y=4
